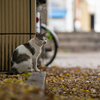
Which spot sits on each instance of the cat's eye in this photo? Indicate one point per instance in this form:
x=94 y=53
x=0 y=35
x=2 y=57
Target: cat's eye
x=41 y=39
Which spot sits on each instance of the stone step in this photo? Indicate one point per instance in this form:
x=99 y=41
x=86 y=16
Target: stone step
x=79 y=41
x=38 y=79
x=80 y=47
x=79 y=37
x=78 y=33
x=79 y=44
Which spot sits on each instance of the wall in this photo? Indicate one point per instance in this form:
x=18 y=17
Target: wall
x=17 y=21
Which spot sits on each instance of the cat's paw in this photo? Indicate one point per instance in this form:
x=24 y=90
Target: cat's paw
x=37 y=70
x=32 y=70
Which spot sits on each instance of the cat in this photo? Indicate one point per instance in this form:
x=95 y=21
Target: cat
x=25 y=56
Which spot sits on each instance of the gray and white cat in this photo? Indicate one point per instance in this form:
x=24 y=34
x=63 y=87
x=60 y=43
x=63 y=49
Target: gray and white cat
x=25 y=56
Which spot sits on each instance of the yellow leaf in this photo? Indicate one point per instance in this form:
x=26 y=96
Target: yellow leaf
x=43 y=66
x=23 y=74
x=83 y=84
x=67 y=74
x=91 y=99
x=54 y=80
x=52 y=69
x=55 y=66
x=83 y=77
x=26 y=77
x=61 y=78
x=46 y=81
x=91 y=82
x=63 y=97
x=51 y=77
x=74 y=89
x=78 y=70
x=81 y=90
x=15 y=76
x=8 y=80
x=98 y=78
x=60 y=75
x=29 y=74
x=85 y=74
x=63 y=86
x=17 y=81
x=86 y=90
x=24 y=81
x=14 y=79
x=53 y=88
x=11 y=94
x=50 y=81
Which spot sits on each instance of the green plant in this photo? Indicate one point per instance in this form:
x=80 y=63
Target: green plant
x=49 y=36
x=27 y=74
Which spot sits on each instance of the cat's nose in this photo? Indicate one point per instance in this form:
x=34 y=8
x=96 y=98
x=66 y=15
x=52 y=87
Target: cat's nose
x=44 y=42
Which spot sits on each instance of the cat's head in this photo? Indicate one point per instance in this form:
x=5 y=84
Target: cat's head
x=41 y=39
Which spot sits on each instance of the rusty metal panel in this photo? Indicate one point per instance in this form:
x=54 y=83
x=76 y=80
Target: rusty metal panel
x=7 y=46
x=33 y=16
x=0 y=15
x=15 y=16
x=0 y=52
x=15 y=27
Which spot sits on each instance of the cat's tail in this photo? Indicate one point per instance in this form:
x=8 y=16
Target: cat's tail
x=13 y=71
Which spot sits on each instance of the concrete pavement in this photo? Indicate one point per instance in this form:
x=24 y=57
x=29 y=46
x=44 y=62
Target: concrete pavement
x=90 y=60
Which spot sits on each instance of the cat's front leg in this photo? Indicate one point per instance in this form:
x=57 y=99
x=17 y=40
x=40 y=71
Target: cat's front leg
x=35 y=65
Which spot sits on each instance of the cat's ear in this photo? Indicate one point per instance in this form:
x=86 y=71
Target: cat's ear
x=37 y=33
x=45 y=34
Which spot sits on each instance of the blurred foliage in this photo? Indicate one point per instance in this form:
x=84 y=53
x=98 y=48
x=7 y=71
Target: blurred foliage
x=61 y=84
